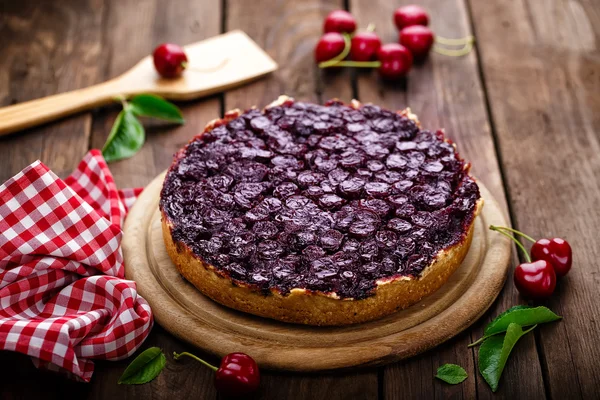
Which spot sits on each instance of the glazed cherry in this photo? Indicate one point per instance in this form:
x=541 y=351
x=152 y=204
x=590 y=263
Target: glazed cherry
x=535 y=280
x=330 y=45
x=237 y=375
x=339 y=21
x=410 y=15
x=365 y=46
x=418 y=39
x=169 y=60
x=555 y=251
x=395 y=59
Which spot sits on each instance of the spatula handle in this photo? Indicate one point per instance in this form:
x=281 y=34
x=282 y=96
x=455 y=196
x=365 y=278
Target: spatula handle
x=35 y=112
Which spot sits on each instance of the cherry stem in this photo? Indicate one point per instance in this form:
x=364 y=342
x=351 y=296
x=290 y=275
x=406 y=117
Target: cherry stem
x=339 y=57
x=454 y=42
x=121 y=99
x=357 y=64
x=185 y=353
x=511 y=237
x=466 y=42
x=187 y=67
x=517 y=232
x=371 y=28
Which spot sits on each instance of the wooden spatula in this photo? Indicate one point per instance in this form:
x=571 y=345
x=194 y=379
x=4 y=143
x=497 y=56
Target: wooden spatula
x=236 y=58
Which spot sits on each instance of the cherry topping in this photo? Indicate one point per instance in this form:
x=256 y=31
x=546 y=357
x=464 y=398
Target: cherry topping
x=395 y=59
x=339 y=21
x=169 y=60
x=237 y=375
x=555 y=251
x=418 y=39
x=330 y=45
x=410 y=15
x=365 y=46
x=535 y=280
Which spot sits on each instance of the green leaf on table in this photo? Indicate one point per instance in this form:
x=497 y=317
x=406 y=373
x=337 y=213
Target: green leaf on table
x=150 y=105
x=144 y=368
x=451 y=373
x=494 y=352
x=520 y=315
x=125 y=139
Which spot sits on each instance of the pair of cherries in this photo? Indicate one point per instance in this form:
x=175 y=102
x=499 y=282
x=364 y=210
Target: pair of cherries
x=237 y=375
x=550 y=258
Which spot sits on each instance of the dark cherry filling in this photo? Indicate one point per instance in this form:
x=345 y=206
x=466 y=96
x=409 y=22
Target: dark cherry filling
x=326 y=198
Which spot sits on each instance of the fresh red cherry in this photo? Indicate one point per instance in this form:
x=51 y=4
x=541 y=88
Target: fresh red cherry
x=339 y=21
x=410 y=15
x=395 y=60
x=555 y=251
x=330 y=45
x=169 y=60
x=365 y=46
x=237 y=375
x=418 y=39
x=535 y=280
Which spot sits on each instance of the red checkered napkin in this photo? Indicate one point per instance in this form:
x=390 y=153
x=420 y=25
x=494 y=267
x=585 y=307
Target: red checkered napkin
x=63 y=296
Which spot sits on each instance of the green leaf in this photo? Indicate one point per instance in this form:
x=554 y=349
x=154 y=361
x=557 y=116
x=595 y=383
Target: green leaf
x=125 y=139
x=150 y=105
x=521 y=315
x=144 y=368
x=451 y=373
x=495 y=351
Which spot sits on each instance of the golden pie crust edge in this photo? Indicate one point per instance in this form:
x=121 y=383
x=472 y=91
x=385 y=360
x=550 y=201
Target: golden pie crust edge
x=307 y=307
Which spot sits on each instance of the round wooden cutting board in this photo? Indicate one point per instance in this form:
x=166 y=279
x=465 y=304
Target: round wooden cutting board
x=192 y=317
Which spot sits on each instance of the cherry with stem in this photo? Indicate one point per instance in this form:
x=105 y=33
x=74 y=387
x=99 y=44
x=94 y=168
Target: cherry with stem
x=555 y=251
x=534 y=279
x=237 y=375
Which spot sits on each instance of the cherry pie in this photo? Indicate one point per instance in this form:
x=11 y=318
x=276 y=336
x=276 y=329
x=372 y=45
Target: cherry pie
x=319 y=215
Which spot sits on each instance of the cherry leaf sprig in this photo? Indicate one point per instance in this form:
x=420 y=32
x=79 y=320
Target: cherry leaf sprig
x=144 y=367
x=127 y=135
x=452 y=374
x=499 y=338
x=521 y=315
x=494 y=353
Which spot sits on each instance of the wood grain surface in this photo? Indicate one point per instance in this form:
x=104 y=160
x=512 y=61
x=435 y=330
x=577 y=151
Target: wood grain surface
x=523 y=109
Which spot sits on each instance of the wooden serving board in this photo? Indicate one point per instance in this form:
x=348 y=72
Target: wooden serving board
x=181 y=309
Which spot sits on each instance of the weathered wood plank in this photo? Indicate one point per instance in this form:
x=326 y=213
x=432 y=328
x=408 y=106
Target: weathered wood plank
x=46 y=48
x=541 y=62
x=288 y=31
x=133 y=30
x=446 y=92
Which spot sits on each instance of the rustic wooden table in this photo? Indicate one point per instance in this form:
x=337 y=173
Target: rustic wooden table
x=524 y=108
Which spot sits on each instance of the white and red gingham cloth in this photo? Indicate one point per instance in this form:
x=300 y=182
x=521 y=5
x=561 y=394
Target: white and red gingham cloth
x=63 y=296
